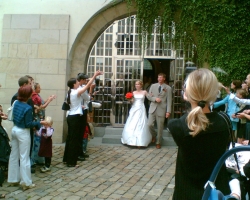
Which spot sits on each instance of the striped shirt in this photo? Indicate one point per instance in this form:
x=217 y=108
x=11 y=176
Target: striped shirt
x=23 y=117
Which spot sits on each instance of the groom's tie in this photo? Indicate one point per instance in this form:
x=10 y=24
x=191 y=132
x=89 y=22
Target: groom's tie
x=159 y=89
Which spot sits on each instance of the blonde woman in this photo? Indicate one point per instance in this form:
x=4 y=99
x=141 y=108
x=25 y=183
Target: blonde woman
x=136 y=131
x=201 y=137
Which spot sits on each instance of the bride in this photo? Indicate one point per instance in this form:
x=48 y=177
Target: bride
x=136 y=131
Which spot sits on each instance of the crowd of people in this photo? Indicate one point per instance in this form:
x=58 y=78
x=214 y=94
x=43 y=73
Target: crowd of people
x=28 y=121
x=201 y=134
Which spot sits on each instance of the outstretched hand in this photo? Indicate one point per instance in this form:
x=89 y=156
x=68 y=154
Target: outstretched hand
x=98 y=72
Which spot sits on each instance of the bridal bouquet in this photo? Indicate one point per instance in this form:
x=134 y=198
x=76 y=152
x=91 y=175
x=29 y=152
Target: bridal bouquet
x=129 y=96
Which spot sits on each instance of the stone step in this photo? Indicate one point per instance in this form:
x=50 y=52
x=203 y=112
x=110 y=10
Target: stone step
x=118 y=131
x=116 y=139
x=113 y=136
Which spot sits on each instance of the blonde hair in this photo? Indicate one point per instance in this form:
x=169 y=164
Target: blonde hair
x=49 y=120
x=201 y=87
x=140 y=82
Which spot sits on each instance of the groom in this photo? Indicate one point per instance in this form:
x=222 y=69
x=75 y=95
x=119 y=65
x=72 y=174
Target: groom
x=160 y=96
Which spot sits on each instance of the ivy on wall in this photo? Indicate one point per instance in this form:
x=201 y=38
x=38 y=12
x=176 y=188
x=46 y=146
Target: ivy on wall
x=219 y=29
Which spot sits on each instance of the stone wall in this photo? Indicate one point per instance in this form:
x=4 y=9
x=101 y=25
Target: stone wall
x=36 y=45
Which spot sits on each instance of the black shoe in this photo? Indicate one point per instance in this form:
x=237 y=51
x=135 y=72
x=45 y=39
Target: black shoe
x=33 y=166
x=33 y=170
x=80 y=158
x=85 y=155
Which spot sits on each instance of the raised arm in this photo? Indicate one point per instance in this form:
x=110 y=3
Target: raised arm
x=237 y=100
x=82 y=90
x=48 y=101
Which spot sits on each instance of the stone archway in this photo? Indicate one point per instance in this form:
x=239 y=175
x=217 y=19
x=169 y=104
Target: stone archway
x=78 y=56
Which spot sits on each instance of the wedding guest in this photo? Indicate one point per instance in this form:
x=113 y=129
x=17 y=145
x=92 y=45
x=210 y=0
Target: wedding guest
x=201 y=137
x=45 y=149
x=136 y=132
x=23 y=81
x=39 y=114
x=74 y=138
x=241 y=129
x=85 y=138
x=19 y=163
x=232 y=107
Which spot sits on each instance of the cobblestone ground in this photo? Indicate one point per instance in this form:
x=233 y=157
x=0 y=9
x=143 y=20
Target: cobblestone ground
x=111 y=172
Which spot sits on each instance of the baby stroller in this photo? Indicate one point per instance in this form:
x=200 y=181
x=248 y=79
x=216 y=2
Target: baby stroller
x=210 y=192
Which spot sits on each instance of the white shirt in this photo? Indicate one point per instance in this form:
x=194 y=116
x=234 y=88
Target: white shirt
x=237 y=100
x=75 y=103
x=48 y=133
x=85 y=96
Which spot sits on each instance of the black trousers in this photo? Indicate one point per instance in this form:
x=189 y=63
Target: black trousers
x=73 y=142
x=47 y=161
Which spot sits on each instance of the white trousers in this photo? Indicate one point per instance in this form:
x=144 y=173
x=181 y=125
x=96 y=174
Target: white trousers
x=20 y=150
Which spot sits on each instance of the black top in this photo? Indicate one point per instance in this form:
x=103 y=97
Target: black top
x=197 y=156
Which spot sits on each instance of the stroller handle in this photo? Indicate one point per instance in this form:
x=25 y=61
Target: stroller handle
x=218 y=166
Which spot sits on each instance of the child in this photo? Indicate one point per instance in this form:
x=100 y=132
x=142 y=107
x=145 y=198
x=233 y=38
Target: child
x=241 y=129
x=46 y=143
x=86 y=134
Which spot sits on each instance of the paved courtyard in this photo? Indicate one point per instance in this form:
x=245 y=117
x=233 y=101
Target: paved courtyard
x=111 y=172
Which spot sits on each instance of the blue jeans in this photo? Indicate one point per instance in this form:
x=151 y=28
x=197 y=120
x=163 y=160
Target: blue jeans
x=34 y=153
x=84 y=144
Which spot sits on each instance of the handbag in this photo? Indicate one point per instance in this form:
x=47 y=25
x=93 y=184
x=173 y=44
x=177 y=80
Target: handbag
x=10 y=111
x=65 y=106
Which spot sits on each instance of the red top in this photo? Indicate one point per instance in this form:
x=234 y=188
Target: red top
x=86 y=132
x=36 y=99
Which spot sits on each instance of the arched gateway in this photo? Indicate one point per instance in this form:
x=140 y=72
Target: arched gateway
x=110 y=43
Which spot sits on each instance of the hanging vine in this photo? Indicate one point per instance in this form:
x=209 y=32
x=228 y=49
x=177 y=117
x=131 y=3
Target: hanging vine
x=219 y=29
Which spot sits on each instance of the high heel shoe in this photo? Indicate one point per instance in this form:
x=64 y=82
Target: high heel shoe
x=25 y=187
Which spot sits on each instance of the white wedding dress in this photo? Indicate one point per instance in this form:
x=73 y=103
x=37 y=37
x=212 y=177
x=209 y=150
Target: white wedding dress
x=136 y=131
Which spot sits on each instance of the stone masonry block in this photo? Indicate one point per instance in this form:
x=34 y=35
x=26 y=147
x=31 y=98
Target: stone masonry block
x=47 y=81
x=12 y=80
x=2 y=81
x=44 y=36
x=54 y=22
x=64 y=36
x=62 y=66
x=16 y=36
x=4 y=50
x=43 y=66
x=6 y=21
x=46 y=93
x=55 y=112
x=25 y=21
x=6 y=95
x=60 y=96
x=14 y=65
x=23 y=50
x=81 y=50
x=54 y=51
x=77 y=66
